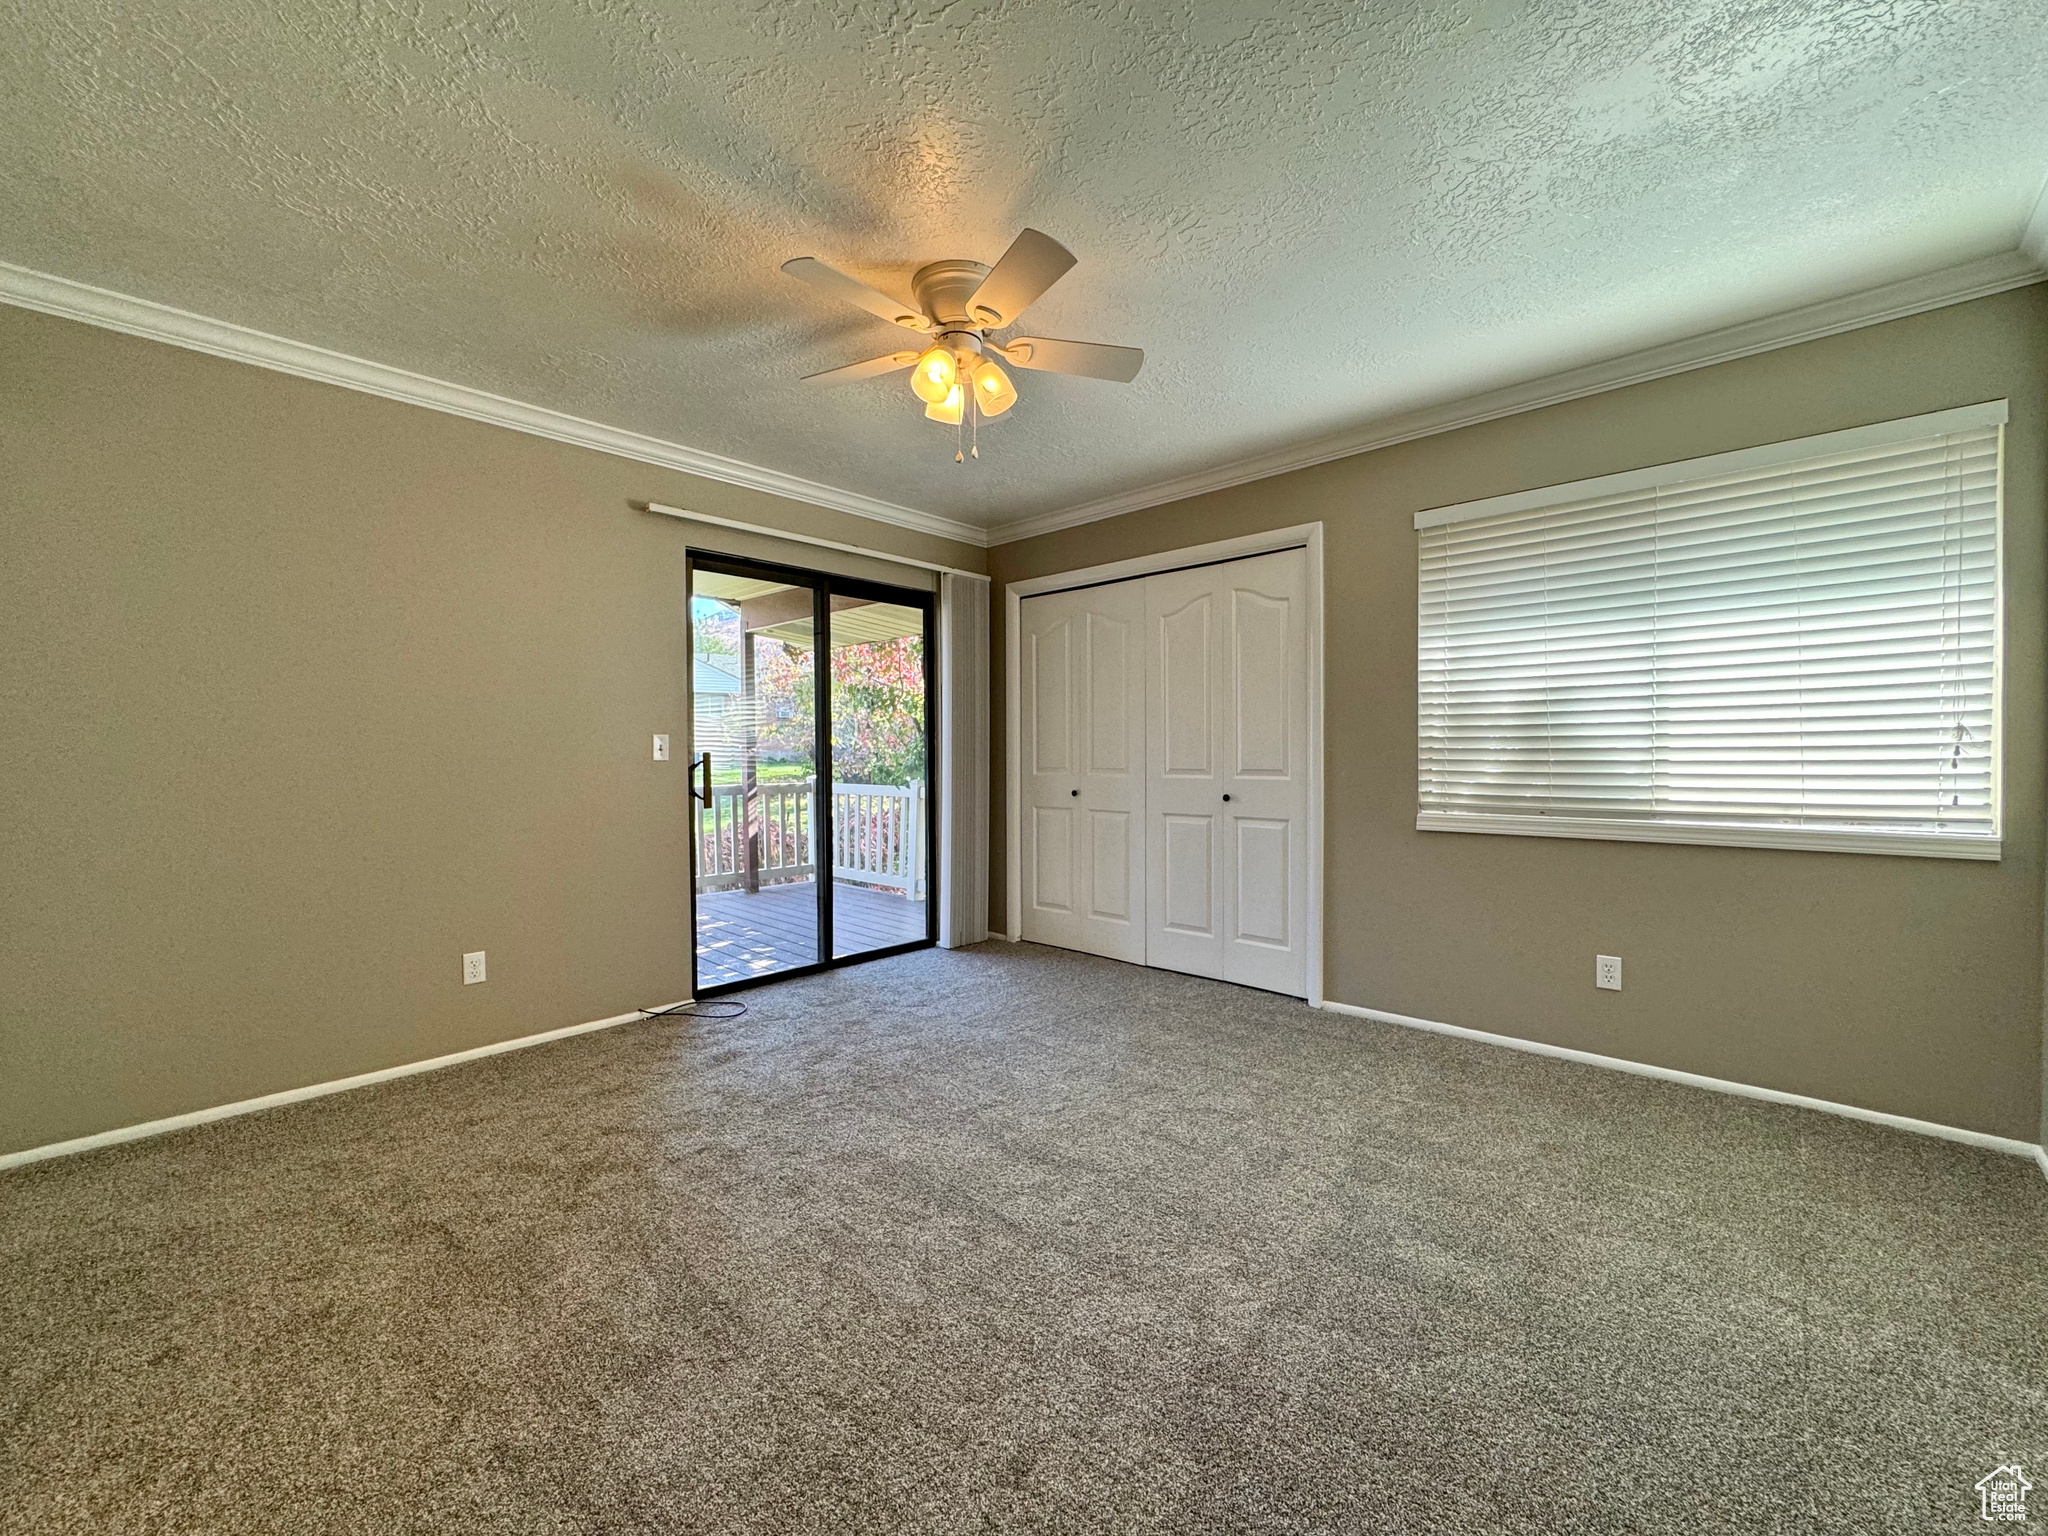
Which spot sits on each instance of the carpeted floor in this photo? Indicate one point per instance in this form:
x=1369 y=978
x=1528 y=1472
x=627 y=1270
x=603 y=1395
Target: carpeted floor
x=1016 y=1240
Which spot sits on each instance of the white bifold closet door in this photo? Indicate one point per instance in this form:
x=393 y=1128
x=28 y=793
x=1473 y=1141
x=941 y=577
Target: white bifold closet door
x=1164 y=757
x=1082 y=720
x=1226 y=785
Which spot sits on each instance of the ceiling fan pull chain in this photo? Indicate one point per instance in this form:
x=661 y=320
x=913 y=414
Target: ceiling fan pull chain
x=959 y=431
x=974 y=432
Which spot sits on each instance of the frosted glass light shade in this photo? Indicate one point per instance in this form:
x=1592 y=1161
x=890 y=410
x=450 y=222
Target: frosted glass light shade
x=935 y=375
x=993 y=391
x=948 y=410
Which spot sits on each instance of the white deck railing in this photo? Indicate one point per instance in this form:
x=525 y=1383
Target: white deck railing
x=878 y=836
x=784 y=816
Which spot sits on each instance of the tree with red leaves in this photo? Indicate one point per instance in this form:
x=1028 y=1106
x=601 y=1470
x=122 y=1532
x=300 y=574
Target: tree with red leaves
x=877 y=707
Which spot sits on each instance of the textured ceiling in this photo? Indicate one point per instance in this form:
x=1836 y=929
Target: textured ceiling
x=1308 y=214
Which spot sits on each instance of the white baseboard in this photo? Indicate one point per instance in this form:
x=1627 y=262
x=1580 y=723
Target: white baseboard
x=298 y=1095
x=1984 y=1139
x=115 y=1137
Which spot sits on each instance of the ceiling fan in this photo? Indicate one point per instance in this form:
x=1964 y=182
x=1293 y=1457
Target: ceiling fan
x=958 y=304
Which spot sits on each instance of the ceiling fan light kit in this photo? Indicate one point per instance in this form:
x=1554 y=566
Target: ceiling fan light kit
x=993 y=391
x=936 y=375
x=950 y=409
x=958 y=302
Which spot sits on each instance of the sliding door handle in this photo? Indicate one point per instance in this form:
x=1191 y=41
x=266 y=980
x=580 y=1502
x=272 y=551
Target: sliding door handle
x=704 y=763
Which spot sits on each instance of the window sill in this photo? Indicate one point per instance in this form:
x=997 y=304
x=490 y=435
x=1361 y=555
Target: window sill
x=1919 y=845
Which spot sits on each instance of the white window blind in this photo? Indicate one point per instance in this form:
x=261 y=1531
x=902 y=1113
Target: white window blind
x=1794 y=647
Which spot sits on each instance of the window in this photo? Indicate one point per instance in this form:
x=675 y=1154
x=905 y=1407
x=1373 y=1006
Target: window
x=1787 y=647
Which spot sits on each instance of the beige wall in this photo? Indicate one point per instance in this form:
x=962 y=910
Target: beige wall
x=1907 y=985
x=306 y=694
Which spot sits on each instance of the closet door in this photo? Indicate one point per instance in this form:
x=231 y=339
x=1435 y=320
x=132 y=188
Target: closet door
x=1082 y=722
x=1227 y=787
x=1184 y=782
x=1265 y=752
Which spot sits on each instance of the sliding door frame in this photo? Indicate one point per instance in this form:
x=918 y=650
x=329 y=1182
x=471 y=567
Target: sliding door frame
x=823 y=587
x=1302 y=536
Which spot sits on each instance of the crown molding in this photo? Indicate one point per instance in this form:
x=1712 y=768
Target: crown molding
x=133 y=316
x=61 y=296
x=1893 y=301
x=2034 y=238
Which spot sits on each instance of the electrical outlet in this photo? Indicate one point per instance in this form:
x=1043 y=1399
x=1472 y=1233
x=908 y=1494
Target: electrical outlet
x=661 y=749
x=472 y=969
x=1607 y=972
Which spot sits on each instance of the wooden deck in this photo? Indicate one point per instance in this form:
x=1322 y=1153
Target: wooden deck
x=741 y=935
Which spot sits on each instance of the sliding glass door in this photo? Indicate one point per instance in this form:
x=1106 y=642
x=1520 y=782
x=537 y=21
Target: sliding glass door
x=753 y=705
x=810 y=769
x=881 y=853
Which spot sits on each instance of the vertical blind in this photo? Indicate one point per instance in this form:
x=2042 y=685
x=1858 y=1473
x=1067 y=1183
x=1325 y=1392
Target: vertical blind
x=1798 y=654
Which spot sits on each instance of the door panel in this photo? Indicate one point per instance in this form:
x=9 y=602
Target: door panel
x=1258 y=669
x=1109 y=839
x=757 y=905
x=1183 y=807
x=1189 y=878
x=1052 y=858
x=1261 y=915
x=880 y=848
x=1083 y=716
x=1226 y=811
x=1266 y=854
x=1187 y=688
x=1110 y=743
x=1052 y=714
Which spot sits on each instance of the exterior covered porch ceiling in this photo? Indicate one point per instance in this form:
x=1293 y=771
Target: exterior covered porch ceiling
x=785 y=612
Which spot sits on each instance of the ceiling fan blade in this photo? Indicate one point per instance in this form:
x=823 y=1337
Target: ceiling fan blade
x=808 y=269
x=1089 y=359
x=874 y=367
x=1032 y=264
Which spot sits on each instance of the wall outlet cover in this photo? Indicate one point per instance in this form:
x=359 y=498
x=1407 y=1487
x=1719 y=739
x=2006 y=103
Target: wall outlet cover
x=472 y=969
x=1607 y=972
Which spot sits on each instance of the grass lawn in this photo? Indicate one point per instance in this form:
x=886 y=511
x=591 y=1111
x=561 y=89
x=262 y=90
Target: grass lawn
x=768 y=773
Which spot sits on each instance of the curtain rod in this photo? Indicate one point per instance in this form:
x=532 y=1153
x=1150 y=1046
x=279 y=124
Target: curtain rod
x=804 y=538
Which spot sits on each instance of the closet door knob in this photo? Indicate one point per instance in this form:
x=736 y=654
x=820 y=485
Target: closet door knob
x=1226 y=797
x=1073 y=792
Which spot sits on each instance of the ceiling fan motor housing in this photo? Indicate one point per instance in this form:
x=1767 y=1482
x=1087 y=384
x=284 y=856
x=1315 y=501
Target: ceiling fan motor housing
x=965 y=346
x=944 y=288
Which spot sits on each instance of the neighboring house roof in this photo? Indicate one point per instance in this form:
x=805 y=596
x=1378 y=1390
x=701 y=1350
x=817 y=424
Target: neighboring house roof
x=708 y=675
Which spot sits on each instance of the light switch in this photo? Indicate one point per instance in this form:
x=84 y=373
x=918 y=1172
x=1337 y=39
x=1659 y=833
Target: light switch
x=661 y=749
